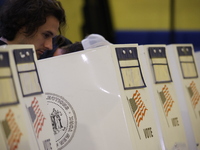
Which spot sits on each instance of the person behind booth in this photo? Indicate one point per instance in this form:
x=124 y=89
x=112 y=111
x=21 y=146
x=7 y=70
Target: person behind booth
x=34 y=22
x=90 y=41
x=58 y=42
x=75 y=47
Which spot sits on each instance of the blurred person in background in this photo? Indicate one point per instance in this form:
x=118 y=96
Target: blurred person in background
x=89 y=42
x=75 y=47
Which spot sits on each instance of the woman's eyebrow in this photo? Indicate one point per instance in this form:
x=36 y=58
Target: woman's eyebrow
x=51 y=33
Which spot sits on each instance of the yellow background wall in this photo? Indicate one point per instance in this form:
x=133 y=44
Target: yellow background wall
x=137 y=15
x=73 y=9
x=155 y=14
x=187 y=15
x=140 y=14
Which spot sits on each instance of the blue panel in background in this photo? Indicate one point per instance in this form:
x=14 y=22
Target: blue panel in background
x=189 y=37
x=158 y=37
x=142 y=37
x=1 y=2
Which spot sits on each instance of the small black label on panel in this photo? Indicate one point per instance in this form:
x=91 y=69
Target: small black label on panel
x=23 y=56
x=184 y=51
x=4 y=59
x=157 y=52
x=126 y=53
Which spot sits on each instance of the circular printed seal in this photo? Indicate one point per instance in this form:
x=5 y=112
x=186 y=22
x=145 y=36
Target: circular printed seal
x=63 y=119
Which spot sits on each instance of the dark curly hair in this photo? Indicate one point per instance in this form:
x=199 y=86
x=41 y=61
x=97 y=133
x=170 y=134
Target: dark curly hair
x=30 y=14
x=75 y=47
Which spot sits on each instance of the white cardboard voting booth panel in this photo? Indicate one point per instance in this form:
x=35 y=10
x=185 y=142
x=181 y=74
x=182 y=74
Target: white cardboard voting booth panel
x=187 y=83
x=100 y=100
x=24 y=117
x=162 y=90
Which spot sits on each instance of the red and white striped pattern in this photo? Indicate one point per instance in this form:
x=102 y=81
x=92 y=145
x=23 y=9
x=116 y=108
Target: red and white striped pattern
x=195 y=96
x=15 y=133
x=39 y=120
x=141 y=109
x=168 y=100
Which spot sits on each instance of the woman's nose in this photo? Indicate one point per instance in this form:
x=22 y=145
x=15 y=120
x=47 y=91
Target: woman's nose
x=48 y=44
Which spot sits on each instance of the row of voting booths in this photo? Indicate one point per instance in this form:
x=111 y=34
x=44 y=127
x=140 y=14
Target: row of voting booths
x=114 y=97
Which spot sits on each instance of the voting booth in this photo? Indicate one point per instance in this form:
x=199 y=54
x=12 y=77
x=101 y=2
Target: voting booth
x=187 y=84
x=103 y=99
x=112 y=97
x=24 y=118
x=162 y=90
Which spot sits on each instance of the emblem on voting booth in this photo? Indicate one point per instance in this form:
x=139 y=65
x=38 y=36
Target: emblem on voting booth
x=63 y=119
x=12 y=131
x=8 y=94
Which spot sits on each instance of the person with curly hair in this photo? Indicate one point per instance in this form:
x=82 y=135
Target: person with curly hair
x=34 y=22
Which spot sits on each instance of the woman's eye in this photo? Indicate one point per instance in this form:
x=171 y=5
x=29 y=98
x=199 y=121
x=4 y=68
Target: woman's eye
x=46 y=35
